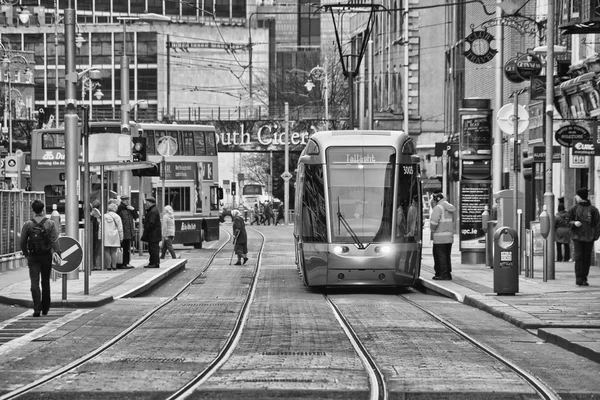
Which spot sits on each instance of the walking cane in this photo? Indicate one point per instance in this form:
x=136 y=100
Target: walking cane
x=233 y=251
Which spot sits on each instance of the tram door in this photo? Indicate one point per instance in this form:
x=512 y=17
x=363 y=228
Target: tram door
x=409 y=217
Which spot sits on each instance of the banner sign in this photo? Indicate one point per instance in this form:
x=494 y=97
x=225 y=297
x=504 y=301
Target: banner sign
x=476 y=134
x=473 y=199
x=539 y=154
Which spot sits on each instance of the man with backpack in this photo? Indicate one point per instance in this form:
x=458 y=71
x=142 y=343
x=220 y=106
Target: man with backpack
x=39 y=239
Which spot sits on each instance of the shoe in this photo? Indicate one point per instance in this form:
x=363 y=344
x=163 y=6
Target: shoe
x=245 y=260
x=238 y=263
x=151 y=266
x=585 y=283
x=45 y=312
x=566 y=260
x=445 y=278
x=437 y=278
x=128 y=266
x=36 y=314
x=559 y=260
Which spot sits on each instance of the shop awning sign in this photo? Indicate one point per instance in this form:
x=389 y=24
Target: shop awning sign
x=569 y=134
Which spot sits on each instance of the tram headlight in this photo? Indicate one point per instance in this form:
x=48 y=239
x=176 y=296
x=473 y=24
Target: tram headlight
x=341 y=249
x=383 y=249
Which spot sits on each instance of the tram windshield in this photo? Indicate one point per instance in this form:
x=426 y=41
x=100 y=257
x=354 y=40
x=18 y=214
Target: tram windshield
x=361 y=187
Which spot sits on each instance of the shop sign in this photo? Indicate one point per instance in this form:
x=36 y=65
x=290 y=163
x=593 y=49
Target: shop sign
x=528 y=65
x=538 y=88
x=510 y=71
x=584 y=148
x=539 y=154
x=479 y=51
x=577 y=161
x=567 y=135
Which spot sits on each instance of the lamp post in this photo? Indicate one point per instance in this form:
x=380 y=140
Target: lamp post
x=7 y=62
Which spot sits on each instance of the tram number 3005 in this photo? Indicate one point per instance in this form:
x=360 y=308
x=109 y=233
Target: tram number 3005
x=408 y=169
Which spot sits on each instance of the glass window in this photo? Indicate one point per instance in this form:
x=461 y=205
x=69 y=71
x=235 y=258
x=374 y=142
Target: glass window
x=238 y=8
x=188 y=143
x=147 y=84
x=138 y=6
x=55 y=191
x=147 y=48
x=222 y=8
x=155 y=6
x=172 y=7
x=199 y=144
x=53 y=141
x=177 y=197
x=408 y=212
x=361 y=183
x=150 y=143
x=211 y=144
x=314 y=220
x=120 y=6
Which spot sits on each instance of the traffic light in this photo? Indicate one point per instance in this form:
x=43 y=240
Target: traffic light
x=527 y=167
x=138 y=152
x=233 y=189
x=454 y=164
x=154 y=171
x=220 y=193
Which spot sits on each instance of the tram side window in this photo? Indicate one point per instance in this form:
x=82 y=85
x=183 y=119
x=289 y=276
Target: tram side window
x=314 y=223
x=408 y=217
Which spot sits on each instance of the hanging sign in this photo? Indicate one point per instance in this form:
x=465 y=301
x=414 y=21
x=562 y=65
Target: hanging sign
x=528 y=65
x=480 y=50
x=567 y=135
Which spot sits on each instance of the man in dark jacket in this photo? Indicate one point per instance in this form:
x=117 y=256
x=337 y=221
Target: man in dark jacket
x=584 y=220
x=40 y=264
x=152 y=232
x=128 y=216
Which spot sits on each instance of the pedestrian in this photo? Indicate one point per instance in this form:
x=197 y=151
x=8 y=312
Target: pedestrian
x=96 y=219
x=562 y=234
x=240 y=237
x=39 y=240
x=268 y=213
x=280 y=214
x=442 y=231
x=128 y=216
x=168 y=232
x=255 y=216
x=113 y=235
x=584 y=220
x=152 y=232
x=262 y=214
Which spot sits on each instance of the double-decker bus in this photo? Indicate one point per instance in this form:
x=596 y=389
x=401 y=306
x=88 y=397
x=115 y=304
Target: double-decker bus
x=190 y=176
x=253 y=194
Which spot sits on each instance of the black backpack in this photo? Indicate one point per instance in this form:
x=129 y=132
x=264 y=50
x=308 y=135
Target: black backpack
x=38 y=242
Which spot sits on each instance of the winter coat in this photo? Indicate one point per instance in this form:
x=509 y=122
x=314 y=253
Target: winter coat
x=588 y=215
x=412 y=221
x=239 y=229
x=168 y=222
x=442 y=222
x=152 y=225
x=562 y=230
x=113 y=229
x=128 y=216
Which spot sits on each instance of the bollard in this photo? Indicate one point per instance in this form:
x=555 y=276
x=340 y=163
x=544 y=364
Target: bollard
x=489 y=243
x=506 y=261
x=545 y=231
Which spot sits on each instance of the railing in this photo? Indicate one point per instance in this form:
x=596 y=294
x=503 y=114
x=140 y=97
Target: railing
x=15 y=209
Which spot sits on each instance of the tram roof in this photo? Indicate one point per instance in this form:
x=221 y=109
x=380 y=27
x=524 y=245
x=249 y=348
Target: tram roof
x=359 y=137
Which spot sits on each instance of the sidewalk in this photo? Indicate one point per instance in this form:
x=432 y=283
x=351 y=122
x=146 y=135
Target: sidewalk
x=103 y=286
x=557 y=311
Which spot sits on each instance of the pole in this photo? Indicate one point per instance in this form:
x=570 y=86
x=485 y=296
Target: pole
x=168 y=73
x=56 y=110
x=548 y=195
x=497 y=144
x=140 y=220
x=370 y=89
x=327 y=97
x=6 y=102
x=71 y=129
x=125 y=104
x=351 y=104
x=10 y=112
x=406 y=69
x=163 y=172
x=516 y=156
x=89 y=241
x=286 y=180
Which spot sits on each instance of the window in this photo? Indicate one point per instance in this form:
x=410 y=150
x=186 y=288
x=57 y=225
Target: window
x=314 y=219
x=199 y=143
x=211 y=144
x=53 y=141
x=177 y=197
x=187 y=145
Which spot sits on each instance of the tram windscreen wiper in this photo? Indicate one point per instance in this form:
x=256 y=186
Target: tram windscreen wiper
x=342 y=219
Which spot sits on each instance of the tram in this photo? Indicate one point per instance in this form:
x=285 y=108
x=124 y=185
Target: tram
x=359 y=211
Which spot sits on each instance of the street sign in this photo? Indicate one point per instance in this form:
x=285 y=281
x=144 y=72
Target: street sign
x=568 y=134
x=286 y=176
x=167 y=146
x=72 y=255
x=11 y=165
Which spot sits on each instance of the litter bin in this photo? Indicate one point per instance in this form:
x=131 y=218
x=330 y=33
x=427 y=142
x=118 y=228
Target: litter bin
x=506 y=261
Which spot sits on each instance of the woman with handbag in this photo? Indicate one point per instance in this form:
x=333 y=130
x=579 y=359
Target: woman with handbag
x=113 y=235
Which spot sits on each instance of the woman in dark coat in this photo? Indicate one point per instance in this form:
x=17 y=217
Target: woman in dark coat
x=152 y=232
x=562 y=235
x=240 y=238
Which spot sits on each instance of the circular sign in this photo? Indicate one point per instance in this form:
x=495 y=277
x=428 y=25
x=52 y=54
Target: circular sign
x=167 y=146
x=567 y=135
x=507 y=118
x=11 y=162
x=528 y=65
x=72 y=255
x=479 y=51
x=510 y=71
x=18 y=152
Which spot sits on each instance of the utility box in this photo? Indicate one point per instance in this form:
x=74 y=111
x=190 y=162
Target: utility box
x=506 y=207
x=506 y=261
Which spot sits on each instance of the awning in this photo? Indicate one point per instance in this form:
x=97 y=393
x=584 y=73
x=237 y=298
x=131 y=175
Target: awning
x=577 y=81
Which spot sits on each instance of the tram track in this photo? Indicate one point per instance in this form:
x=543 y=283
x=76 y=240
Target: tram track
x=199 y=377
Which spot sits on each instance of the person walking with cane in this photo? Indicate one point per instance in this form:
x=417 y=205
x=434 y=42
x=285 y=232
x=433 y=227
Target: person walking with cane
x=240 y=238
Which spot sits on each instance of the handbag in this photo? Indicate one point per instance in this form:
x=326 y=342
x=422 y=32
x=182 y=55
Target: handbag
x=119 y=255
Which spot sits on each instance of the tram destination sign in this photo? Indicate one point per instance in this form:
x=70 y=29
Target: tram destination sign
x=569 y=134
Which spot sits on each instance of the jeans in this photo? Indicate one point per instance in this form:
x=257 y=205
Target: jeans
x=126 y=246
x=441 y=259
x=154 y=250
x=582 y=254
x=39 y=269
x=559 y=252
x=168 y=245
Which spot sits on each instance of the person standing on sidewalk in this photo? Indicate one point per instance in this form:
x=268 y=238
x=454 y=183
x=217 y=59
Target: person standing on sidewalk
x=96 y=218
x=128 y=216
x=240 y=240
x=562 y=234
x=584 y=221
x=441 y=224
x=168 y=232
x=152 y=232
x=39 y=239
x=113 y=235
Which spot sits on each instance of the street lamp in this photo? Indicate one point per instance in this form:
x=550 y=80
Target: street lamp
x=7 y=63
x=93 y=87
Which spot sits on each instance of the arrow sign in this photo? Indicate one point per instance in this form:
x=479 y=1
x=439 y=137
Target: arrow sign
x=72 y=255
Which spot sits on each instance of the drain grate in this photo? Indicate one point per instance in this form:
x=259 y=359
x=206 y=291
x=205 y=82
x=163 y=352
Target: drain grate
x=293 y=353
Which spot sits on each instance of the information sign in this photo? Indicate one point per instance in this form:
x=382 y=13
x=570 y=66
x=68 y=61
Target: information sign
x=72 y=255
x=474 y=197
